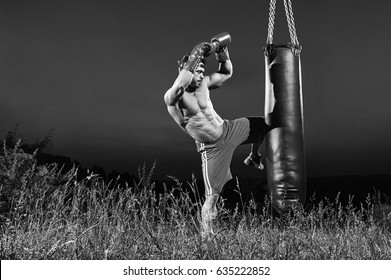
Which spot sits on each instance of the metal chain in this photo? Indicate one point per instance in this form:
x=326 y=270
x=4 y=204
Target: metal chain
x=272 y=12
x=290 y=20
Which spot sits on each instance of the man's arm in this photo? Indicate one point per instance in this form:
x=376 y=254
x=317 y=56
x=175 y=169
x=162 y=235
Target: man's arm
x=224 y=73
x=220 y=43
x=174 y=94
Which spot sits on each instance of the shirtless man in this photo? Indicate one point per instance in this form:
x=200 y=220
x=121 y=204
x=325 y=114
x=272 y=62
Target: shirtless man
x=188 y=102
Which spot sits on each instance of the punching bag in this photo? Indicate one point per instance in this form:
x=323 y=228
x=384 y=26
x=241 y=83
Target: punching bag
x=285 y=156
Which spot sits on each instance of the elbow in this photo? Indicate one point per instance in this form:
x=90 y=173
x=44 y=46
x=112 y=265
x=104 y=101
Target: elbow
x=231 y=71
x=168 y=98
x=172 y=96
x=227 y=76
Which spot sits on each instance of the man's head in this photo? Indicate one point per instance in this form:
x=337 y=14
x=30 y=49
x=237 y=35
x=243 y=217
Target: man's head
x=198 y=76
x=198 y=71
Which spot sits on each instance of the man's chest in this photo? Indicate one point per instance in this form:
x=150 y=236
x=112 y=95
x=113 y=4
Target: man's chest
x=195 y=100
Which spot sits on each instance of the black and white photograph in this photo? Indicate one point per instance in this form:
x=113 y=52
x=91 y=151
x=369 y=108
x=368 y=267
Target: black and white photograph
x=195 y=130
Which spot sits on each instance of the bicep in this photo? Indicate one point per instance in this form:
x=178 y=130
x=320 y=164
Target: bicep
x=216 y=80
x=224 y=73
x=173 y=95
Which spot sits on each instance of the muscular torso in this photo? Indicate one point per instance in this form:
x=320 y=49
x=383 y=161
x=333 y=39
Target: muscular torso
x=200 y=120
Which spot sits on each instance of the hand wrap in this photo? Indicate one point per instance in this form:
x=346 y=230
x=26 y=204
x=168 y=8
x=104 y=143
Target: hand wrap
x=220 y=44
x=222 y=55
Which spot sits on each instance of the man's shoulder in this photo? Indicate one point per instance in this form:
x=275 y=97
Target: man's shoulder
x=206 y=80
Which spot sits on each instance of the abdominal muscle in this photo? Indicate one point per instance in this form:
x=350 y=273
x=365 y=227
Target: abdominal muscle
x=205 y=126
x=201 y=121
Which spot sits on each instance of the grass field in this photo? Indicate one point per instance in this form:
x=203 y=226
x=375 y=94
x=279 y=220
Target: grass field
x=47 y=213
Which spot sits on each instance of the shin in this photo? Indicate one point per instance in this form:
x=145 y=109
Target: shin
x=255 y=149
x=209 y=213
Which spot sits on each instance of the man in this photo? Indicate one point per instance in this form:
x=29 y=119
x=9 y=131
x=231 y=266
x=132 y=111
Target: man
x=188 y=102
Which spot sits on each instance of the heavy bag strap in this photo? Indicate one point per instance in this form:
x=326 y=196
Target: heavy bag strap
x=289 y=18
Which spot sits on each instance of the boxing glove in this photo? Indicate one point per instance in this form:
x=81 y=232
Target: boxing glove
x=198 y=53
x=220 y=41
x=220 y=44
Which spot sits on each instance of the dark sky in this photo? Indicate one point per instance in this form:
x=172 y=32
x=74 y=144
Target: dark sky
x=96 y=73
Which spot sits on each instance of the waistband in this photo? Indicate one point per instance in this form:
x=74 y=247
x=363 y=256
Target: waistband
x=201 y=146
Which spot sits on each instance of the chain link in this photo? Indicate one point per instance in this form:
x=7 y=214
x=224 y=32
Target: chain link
x=289 y=18
x=291 y=21
x=272 y=12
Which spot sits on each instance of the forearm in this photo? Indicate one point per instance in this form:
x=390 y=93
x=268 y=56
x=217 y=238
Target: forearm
x=225 y=68
x=184 y=79
x=174 y=94
x=221 y=42
x=224 y=72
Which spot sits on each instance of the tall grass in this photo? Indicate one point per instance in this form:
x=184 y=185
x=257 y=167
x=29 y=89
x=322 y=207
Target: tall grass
x=47 y=213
